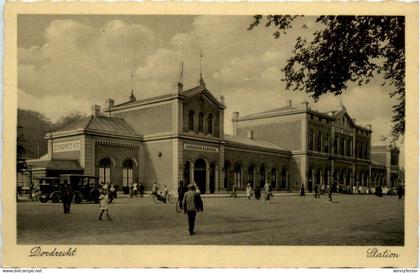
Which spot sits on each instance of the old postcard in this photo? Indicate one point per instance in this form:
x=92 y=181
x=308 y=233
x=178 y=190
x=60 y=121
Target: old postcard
x=210 y=135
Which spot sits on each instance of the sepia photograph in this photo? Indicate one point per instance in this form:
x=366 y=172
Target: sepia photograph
x=256 y=130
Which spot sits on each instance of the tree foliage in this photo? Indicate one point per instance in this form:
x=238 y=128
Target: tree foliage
x=32 y=129
x=347 y=49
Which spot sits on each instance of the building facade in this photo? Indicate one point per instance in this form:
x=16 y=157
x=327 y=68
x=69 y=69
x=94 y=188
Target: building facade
x=180 y=136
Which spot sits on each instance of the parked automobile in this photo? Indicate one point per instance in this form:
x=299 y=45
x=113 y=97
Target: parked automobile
x=83 y=187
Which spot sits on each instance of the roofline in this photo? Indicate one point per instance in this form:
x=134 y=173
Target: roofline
x=207 y=92
x=152 y=100
x=233 y=144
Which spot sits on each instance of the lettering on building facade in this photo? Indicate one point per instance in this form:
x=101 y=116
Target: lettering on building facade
x=67 y=146
x=201 y=148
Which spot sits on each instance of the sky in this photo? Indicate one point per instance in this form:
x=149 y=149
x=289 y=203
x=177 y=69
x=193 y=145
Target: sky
x=67 y=63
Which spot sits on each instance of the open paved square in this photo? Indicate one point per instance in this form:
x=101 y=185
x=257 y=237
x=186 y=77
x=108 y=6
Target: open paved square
x=286 y=220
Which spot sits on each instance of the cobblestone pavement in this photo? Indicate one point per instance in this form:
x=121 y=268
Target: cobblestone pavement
x=286 y=220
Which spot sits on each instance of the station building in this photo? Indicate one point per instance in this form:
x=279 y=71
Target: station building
x=180 y=136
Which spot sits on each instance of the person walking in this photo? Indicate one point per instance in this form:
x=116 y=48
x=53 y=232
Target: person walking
x=181 y=192
x=267 y=191
x=248 y=191
x=66 y=196
x=302 y=190
x=400 y=192
x=141 y=190
x=257 y=192
x=330 y=194
x=234 y=189
x=103 y=204
x=192 y=204
x=316 y=190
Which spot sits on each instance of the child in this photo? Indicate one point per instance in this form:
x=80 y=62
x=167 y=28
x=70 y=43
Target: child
x=103 y=204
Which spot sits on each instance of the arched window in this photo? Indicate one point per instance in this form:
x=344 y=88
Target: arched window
x=210 y=124
x=311 y=139
x=350 y=148
x=105 y=171
x=342 y=146
x=251 y=175
x=201 y=123
x=273 y=178
x=191 y=115
x=127 y=173
x=238 y=176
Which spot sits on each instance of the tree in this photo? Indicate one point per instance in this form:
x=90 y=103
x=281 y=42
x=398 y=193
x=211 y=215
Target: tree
x=347 y=49
x=67 y=120
x=21 y=166
x=33 y=126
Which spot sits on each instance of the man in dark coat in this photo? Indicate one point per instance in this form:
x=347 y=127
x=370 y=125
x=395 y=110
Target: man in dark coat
x=66 y=196
x=192 y=204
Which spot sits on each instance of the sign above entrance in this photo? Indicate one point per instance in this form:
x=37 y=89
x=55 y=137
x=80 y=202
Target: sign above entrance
x=67 y=146
x=201 y=148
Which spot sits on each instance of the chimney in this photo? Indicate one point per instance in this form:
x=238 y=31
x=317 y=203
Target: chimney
x=354 y=120
x=305 y=105
x=250 y=134
x=109 y=103
x=222 y=99
x=50 y=147
x=289 y=103
x=96 y=109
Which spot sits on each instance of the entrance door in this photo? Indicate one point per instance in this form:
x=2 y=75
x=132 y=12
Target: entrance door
x=200 y=174
x=212 y=177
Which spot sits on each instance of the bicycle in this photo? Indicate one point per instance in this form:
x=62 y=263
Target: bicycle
x=158 y=199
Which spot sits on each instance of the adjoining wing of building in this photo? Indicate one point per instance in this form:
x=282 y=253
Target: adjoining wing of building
x=180 y=136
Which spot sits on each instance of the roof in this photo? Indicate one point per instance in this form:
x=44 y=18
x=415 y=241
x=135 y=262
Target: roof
x=187 y=93
x=253 y=142
x=142 y=101
x=101 y=124
x=272 y=111
x=56 y=164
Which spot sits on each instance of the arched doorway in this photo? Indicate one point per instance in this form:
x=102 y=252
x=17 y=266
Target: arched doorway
x=283 y=179
x=310 y=182
x=200 y=174
x=213 y=169
x=187 y=168
x=105 y=170
x=251 y=177
x=237 y=174
x=317 y=178
x=325 y=182
x=274 y=178
x=262 y=175
x=226 y=175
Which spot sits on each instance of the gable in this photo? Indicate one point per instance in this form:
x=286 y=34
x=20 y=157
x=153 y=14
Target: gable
x=343 y=119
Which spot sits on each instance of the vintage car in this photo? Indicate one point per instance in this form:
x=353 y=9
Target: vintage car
x=83 y=187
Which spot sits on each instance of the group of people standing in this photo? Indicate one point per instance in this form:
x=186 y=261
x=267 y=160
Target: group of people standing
x=136 y=189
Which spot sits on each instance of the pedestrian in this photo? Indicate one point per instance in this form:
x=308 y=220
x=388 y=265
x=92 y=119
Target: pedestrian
x=257 y=192
x=155 y=188
x=66 y=197
x=164 y=194
x=141 y=190
x=181 y=192
x=112 y=193
x=267 y=191
x=248 y=191
x=319 y=191
x=103 y=204
x=234 y=189
x=330 y=194
x=400 y=192
x=316 y=191
x=302 y=190
x=192 y=204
